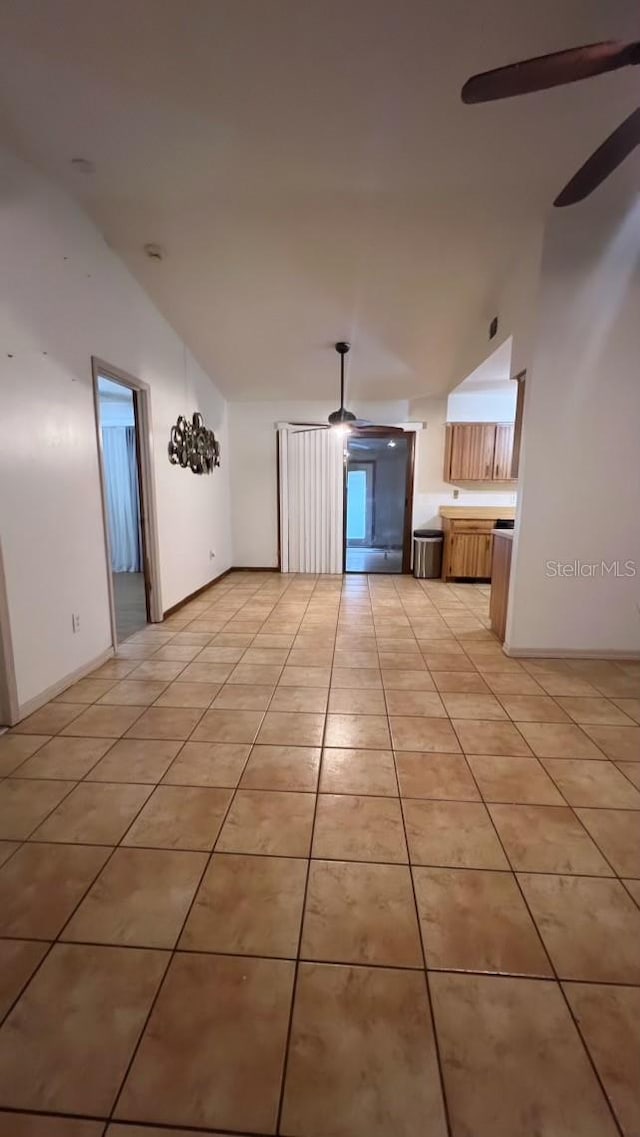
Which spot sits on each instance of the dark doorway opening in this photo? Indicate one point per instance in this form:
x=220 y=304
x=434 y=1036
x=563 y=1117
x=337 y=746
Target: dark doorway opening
x=120 y=439
x=378 y=496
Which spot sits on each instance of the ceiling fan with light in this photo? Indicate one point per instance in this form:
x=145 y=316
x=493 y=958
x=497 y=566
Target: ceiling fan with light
x=556 y=70
x=342 y=419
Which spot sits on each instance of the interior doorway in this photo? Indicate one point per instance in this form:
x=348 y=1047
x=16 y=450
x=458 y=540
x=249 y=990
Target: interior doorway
x=378 y=496
x=122 y=418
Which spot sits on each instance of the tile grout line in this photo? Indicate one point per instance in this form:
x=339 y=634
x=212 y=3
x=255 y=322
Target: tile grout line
x=142 y=1125
x=173 y=951
x=418 y=969
x=56 y=940
x=52 y=943
x=345 y=860
x=556 y=978
x=436 y=1041
x=296 y=970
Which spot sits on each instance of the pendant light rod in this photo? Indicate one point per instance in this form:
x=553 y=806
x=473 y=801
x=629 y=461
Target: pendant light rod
x=337 y=418
x=342 y=348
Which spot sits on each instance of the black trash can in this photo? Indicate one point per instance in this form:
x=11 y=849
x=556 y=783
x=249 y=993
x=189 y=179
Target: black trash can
x=427 y=553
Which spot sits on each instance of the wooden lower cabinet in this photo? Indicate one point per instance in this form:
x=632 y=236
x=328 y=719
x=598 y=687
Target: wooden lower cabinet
x=468 y=549
x=469 y=555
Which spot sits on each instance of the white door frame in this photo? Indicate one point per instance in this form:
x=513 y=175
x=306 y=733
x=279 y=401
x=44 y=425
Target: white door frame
x=9 y=709
x=147 y=487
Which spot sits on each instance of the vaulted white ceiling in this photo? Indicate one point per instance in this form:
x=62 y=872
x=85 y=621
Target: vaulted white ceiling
x=308 y=166
x=493 y=373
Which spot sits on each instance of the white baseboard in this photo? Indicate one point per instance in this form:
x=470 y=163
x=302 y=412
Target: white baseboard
x=568 y=653
x=38 y=701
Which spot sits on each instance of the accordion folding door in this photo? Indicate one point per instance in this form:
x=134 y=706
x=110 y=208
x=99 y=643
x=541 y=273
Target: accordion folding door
x=311 y=498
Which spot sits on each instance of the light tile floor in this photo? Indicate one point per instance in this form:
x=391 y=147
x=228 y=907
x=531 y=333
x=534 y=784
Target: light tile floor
x=315 y=858
x=363 y=560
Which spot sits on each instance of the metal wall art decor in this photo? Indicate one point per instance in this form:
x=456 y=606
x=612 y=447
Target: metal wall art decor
x=192 y=445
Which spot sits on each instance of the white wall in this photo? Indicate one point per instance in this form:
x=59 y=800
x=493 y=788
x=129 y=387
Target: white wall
x=498 y=405
x=488 y=394
x=254 y=468
x=65 y=298
x=513 y=299
x=430 y=489
x=580 y=468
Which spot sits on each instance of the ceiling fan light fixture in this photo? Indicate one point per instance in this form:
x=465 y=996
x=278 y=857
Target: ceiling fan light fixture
x=338 y=418
x=341 y=421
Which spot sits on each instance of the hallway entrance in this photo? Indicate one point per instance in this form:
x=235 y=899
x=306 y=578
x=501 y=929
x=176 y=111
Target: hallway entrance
x=122 y=422
x=120 y=461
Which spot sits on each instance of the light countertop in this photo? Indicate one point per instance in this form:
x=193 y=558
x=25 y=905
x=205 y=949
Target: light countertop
x=472 y=512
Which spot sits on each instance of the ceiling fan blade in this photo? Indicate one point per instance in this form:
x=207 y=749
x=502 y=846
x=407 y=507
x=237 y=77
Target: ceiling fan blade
x=603 y=161
x=552 y=70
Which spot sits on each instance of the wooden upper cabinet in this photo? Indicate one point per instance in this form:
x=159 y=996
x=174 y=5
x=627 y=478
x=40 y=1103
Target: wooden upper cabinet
x=478 y=451
x=503 y=452
x=471 y=450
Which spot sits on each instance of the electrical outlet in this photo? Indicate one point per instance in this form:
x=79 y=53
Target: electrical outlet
x=456 y=495
x=75 y=621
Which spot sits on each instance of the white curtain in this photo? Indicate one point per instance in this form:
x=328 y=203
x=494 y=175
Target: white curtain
x=123 y=501
x=311 y=499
